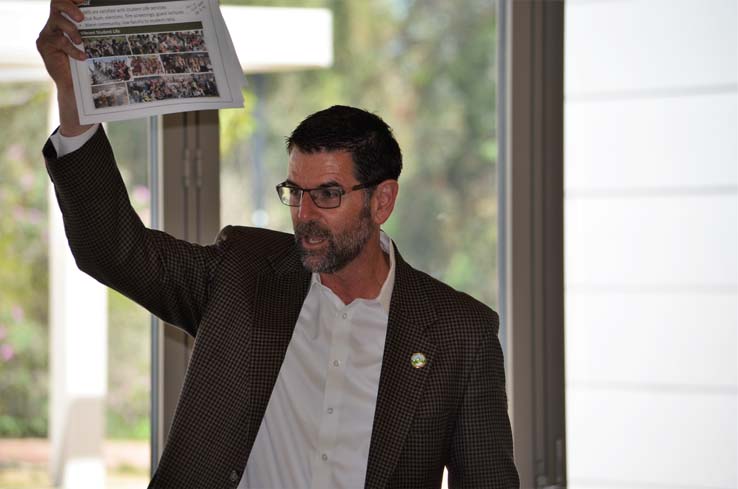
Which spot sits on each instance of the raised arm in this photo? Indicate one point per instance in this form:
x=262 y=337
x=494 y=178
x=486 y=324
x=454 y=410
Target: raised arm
x=55 y=47
x=169 y=277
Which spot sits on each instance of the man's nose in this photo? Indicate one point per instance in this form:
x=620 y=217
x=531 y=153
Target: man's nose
x=307 y=208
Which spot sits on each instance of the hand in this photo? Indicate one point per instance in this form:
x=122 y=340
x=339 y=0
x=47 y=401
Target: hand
x=55 y=47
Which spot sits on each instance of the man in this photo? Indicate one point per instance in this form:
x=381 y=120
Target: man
x=321 y=360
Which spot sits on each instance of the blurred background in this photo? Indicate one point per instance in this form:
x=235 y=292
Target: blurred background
x=650 y=210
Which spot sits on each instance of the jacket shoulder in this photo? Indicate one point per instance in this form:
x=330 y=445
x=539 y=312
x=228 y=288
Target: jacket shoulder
x=455 y=307
x=258 y=244
x=257 y=237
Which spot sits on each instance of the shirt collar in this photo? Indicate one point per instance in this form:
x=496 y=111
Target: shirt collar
x=385 y=293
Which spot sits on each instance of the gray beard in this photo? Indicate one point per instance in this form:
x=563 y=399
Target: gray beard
x=342 y=249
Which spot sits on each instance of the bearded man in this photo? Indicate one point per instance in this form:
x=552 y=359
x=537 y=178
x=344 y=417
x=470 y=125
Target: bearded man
x=321 y=359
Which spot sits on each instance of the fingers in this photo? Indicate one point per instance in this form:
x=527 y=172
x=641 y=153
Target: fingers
x=68 y=7
x=51 y=40
x=57 y=41
x=59 y=18
x=62 y=24
x=64 y=44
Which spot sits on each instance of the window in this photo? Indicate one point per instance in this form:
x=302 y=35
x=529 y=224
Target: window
x=106 y=395
x=429 y=70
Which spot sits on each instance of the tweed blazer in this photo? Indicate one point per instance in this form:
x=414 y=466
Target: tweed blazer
x=240 y=299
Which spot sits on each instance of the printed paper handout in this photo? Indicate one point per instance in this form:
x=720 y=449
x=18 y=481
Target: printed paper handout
x=154 y=57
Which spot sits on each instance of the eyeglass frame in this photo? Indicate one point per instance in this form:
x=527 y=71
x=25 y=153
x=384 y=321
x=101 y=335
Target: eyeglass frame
x=310 y=191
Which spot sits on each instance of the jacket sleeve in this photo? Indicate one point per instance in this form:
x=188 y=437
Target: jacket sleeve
x=167 y=276
x=481 y=446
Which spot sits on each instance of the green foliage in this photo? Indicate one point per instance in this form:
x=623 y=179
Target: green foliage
x=24 y=286
x=236 y=125
x=23 y=262
x=129 y=351
x=129 y=337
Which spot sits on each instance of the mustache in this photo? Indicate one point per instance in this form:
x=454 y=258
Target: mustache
x=311 y=229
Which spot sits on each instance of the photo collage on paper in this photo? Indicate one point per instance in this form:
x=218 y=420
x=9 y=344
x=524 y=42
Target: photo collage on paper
x=142 y=68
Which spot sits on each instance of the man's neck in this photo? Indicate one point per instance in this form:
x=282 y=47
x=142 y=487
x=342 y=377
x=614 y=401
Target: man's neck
x=363 y=277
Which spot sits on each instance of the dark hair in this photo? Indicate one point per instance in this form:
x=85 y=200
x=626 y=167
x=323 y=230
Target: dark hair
x=374 y=150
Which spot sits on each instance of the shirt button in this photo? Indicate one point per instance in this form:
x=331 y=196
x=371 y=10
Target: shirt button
x=324 y=457
x=336 y=363
x=330 y=410
x=344 y=315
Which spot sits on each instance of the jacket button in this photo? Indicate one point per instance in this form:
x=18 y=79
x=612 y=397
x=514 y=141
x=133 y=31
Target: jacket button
x=234 y=476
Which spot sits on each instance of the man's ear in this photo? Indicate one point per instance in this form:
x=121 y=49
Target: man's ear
x=383 y=200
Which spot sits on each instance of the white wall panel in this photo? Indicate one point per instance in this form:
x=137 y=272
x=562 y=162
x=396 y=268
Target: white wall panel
x=687 y=340
x=614 y=46
x=669 y=440
x=652 y=241
x=646 y=143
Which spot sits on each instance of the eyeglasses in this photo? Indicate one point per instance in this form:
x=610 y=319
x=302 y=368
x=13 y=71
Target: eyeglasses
x=324 y=197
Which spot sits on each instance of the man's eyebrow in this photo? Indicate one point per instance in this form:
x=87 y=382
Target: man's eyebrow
x=329 y=183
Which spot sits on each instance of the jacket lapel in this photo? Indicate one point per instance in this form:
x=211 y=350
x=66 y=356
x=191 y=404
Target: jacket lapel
x=279 y=298
x=400 y=384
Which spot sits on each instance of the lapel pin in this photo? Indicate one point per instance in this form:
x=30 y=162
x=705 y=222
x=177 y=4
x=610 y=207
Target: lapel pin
x=418 y=360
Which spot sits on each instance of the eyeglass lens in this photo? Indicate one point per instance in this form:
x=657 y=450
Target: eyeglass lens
x=325 y=198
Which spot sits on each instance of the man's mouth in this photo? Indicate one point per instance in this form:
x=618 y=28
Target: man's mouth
x=311 y=236
x=312 y=241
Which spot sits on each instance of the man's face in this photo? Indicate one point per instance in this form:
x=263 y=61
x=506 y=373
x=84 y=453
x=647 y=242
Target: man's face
x=328 y=239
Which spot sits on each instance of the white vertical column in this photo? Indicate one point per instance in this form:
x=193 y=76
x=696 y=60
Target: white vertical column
x=78 y=360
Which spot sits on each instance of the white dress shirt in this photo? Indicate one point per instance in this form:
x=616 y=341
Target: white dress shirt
x=69 y=144
x=318 y=424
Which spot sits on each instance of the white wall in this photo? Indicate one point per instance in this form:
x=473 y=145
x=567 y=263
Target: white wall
x=651 y=243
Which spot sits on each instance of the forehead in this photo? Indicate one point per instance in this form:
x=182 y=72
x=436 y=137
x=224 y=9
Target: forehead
x=313 y=169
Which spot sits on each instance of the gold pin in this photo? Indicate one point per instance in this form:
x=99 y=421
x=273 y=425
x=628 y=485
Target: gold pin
x=418 y=360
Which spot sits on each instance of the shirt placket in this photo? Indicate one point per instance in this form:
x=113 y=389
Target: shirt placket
x=338 y=320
